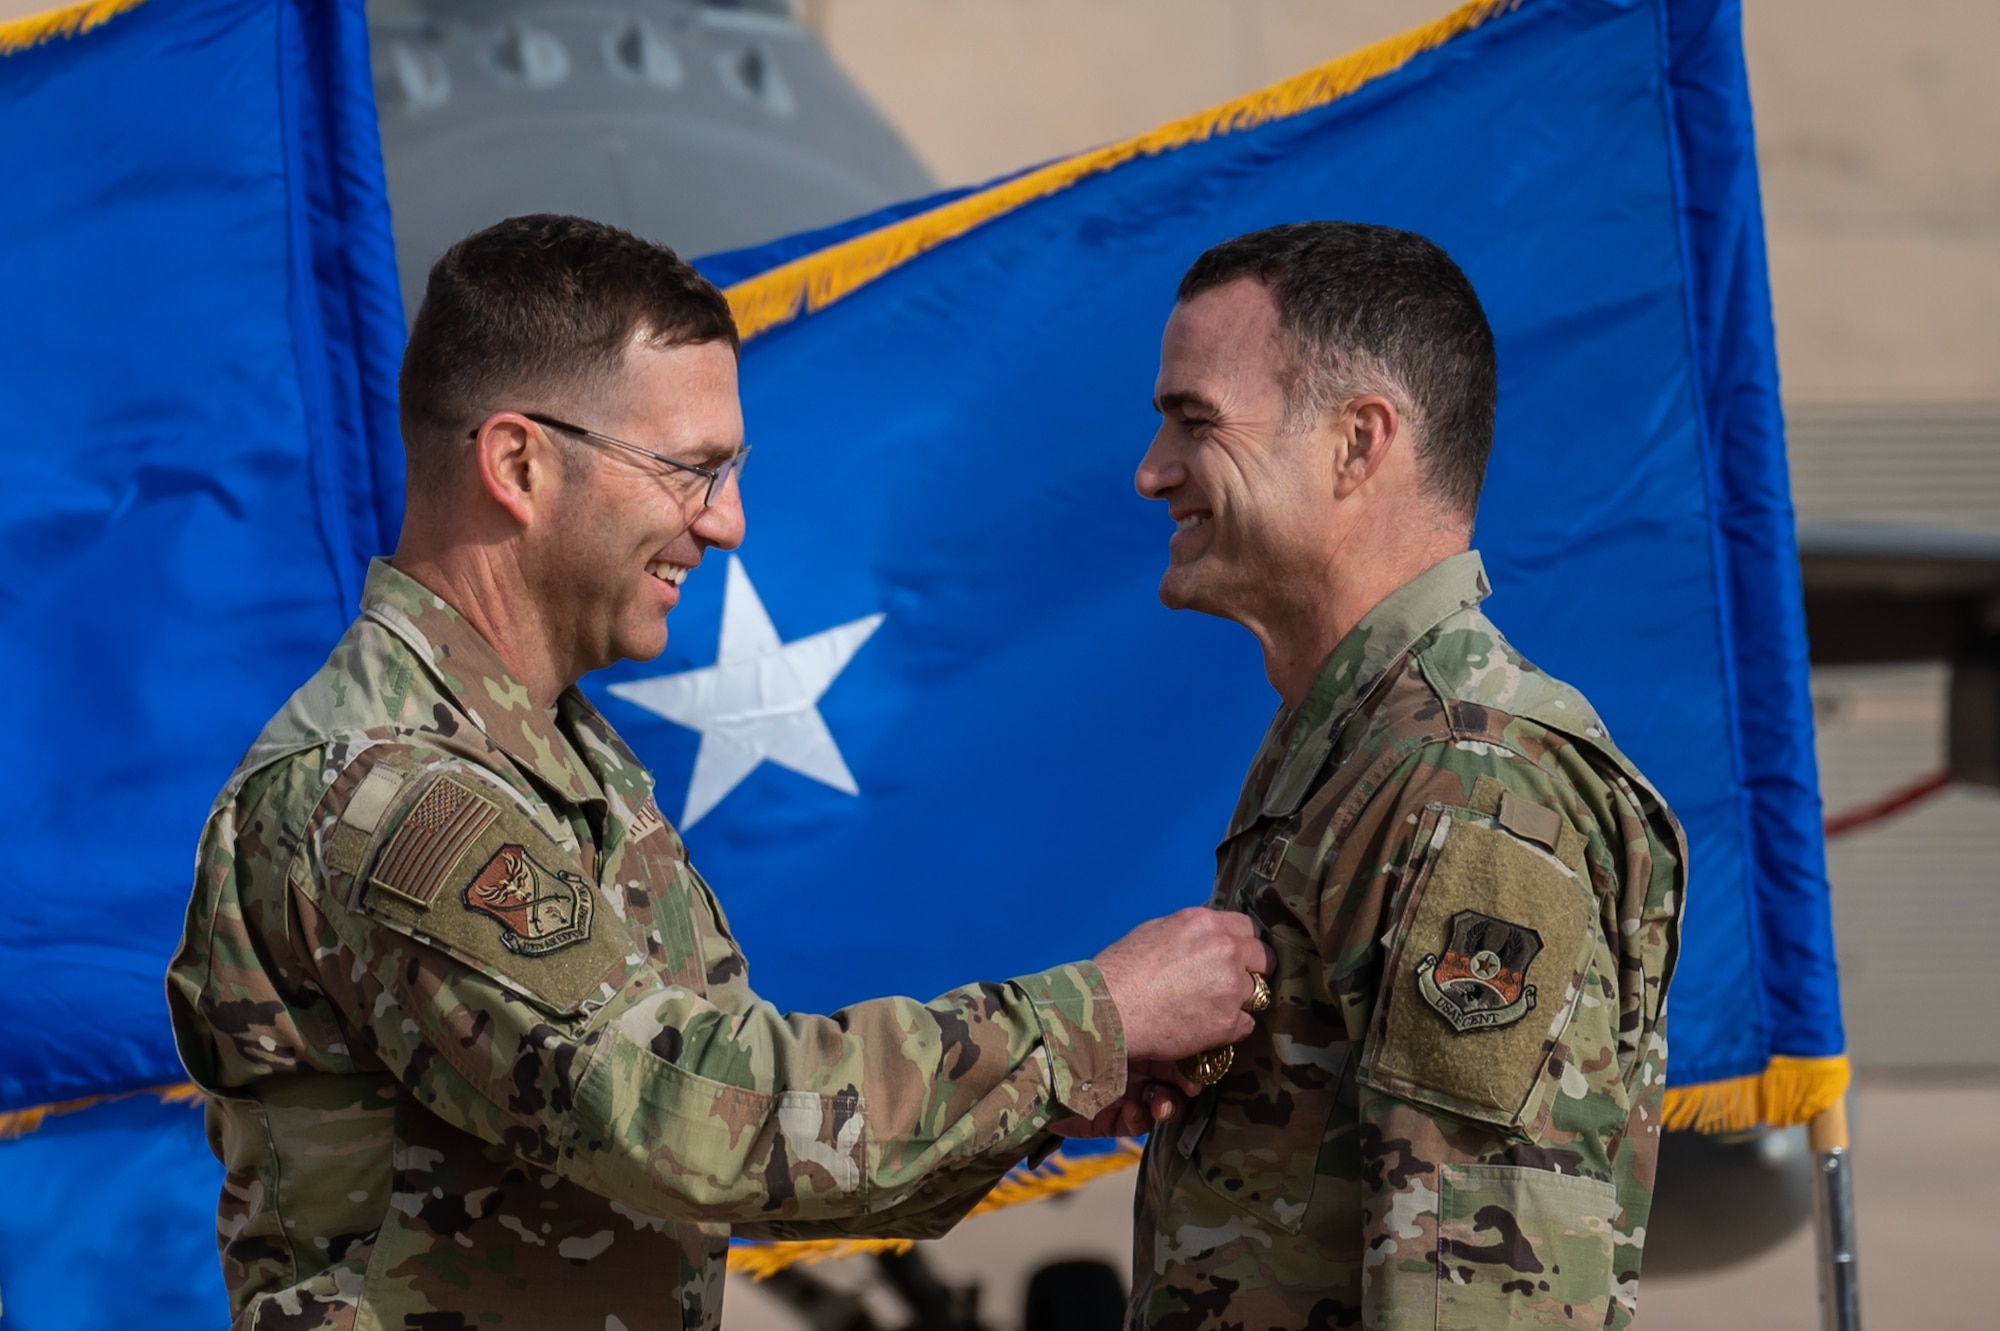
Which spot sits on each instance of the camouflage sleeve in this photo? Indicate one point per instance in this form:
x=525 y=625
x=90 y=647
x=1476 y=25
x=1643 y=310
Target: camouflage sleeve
x=939 y=1202
x=1511 y=1077
x=459 y=939
x=930 y=1211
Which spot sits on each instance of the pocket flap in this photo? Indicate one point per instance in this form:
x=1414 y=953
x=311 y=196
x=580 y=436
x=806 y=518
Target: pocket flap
x=1519 y=1246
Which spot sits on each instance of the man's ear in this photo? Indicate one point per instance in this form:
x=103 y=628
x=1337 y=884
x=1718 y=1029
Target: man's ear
x=1370 y=429
x=516 y=463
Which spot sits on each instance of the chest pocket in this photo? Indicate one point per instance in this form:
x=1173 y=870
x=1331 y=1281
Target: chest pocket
x=1262 y=1137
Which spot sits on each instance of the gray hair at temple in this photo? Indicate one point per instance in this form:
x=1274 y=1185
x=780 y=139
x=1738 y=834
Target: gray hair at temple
x=1370 y=309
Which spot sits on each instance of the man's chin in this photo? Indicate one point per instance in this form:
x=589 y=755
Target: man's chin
x=646 y=645
x=1180 y=590
x=1192 y=587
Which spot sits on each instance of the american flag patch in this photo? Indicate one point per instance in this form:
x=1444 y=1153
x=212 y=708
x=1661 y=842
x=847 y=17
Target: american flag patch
x=447 y=820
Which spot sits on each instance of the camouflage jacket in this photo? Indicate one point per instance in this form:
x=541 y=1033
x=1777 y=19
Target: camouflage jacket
x=480 y=1047
x=1449 y=1115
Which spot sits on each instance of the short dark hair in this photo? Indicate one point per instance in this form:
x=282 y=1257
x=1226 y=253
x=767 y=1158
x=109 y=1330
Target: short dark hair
x=1372 y=309
x=536 y=312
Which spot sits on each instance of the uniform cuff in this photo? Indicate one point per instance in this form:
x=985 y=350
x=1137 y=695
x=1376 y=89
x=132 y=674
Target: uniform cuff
x=1082 y=1034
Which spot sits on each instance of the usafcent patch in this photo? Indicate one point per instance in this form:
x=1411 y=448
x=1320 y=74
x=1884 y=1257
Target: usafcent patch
x=1486 y=962
x=1480 y=983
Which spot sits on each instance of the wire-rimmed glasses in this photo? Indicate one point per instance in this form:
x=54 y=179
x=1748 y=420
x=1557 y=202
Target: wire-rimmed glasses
x=716 y=476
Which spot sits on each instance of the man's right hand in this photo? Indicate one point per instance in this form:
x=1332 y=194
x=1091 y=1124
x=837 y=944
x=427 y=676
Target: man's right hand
x=1180 y=983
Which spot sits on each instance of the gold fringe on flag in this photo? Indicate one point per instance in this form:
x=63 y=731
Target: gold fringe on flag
x=21 y=33
x=816 y=280
x=1060 y=1175
x=19 y=1122
x=1787 y=1092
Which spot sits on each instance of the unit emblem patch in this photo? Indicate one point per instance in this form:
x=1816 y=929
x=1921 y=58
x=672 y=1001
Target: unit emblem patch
x=540 y=910
x=1480 y=983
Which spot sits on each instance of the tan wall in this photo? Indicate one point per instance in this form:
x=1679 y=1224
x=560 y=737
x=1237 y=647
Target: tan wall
x=985 y=86
x=1877 y=124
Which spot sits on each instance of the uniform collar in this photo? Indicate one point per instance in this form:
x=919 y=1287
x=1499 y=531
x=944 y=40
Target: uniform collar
x=468 y=669
x=1382 y=637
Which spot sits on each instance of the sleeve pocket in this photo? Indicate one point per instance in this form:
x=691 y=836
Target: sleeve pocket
x=1484 y=969
x=1523 y=1247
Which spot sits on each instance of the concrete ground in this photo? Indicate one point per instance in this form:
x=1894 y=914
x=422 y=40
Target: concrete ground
x=1927 y=1170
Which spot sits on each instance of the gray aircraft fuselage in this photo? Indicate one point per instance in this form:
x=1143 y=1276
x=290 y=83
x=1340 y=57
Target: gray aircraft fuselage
x=706 y=126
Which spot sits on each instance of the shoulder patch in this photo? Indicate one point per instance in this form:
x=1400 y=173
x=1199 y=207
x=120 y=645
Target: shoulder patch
x=432 y=840
x=1491 y=947
x=540 y=910
x=1480 y=983
x=470 y=874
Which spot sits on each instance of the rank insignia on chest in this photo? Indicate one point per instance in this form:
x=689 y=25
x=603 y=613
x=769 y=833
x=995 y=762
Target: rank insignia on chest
x=1480 y=981
x=540 y=910
x=1271 y=857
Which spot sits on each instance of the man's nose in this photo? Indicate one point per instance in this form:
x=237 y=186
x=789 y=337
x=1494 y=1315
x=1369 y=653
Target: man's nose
x=1159 y=471
x=721 y=523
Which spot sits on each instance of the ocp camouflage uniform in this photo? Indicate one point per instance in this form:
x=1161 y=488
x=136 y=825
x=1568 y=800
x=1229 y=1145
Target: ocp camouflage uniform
x=1450 y=1113
x=480 y=1048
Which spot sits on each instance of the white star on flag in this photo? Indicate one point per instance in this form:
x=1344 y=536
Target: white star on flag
x=758 y=702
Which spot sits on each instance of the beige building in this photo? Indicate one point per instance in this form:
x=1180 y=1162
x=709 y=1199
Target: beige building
x=1875 y=120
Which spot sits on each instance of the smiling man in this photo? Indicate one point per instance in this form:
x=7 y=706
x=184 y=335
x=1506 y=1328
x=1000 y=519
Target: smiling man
x=478 y=1044
x=1449 y=1116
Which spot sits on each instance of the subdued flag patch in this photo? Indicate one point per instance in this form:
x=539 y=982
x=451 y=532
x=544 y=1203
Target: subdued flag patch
x=445 y=823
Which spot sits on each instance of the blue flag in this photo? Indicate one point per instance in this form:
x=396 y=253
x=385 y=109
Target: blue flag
x=930 y=724
x=200 y=344
x=991 y=749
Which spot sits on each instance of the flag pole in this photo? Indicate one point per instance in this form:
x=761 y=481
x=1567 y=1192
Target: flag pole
x=1833 y=1220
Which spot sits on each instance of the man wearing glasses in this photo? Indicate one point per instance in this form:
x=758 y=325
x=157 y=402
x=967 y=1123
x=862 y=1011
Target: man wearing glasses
x=478 y=1043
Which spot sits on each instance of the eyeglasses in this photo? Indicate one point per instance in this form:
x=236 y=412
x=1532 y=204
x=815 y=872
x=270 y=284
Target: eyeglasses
x=716 y=477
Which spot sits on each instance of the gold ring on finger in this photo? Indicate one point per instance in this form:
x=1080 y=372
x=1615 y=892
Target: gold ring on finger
x=1207 y=1067
x=1260 y=994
